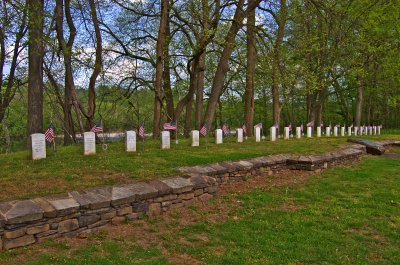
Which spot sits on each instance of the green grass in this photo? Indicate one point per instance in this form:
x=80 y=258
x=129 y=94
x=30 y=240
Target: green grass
x=342 y=216
x=68 y=169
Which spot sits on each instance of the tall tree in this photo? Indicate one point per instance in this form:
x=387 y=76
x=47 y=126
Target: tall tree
x=35 y=75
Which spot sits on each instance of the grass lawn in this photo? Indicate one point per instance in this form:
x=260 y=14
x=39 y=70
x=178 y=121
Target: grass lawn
x=346 y=215
x=68 y=169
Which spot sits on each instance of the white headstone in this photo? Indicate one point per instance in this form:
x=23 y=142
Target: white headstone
x=335 y=131
x=361 y=132
x=218 y=136
x=379 y=130
x=272 y=133
x=298 y=132
x=89 y=143
x=355 y=131
x=328 y=131
x=38 y=146
x=130 y=141
x=370 y=130
x=319 y=131
x=286 y=134
x=309 y=132
x=349 y=132
x=165 y=140
x=342 y=131
x=239 y=134
x=195 y=136
x=257 y=132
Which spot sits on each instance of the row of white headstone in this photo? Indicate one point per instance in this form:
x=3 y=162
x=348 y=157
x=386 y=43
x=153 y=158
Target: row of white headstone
x=38 y=142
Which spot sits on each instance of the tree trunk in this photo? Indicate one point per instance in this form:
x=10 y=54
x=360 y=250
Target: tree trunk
x=169 y=98
x=200 y=89
x=223 y=64
x=35 y=61
x=251 y=70
x=159 y=68
x=188 y=117
x=359 y=102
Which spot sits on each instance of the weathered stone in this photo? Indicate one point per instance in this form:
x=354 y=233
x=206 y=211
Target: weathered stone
x=91 y=199
x=63 y=203
x=47 y=233
x=199 y=182
x=186 y=196
x=219 y=169
x=154 y=209
x=132 y=216
x=44 y=238
x=121 y=195
x=68 y=225
x=205 y=197
x=15 y=233
x=139 y=207
x=18 y=242
x=118 y=220
x=109 y=215
x=18 y=212
x=198 y=192
x=162 y=188
x=124 y=211
x=213 y=189
x=38 y=229
x=178 y=184
x=86 y=220
x=48 y=210
x=166 y=204
x=143 y=191
x=54 y=226
x=99 y=223
x=373 y=148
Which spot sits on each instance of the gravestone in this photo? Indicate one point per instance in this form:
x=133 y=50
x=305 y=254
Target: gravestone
x=370 y=130
x=38 y=146
x=335 y=131
x=272 y=133
x=342 y=131
x=298 y=132
x=195 y=136
x=165 y=140
x=309 y=132
x=130 y=141
x=361 y=130
x=319 y=131
x=374 y=130
x=239 y=134
x=379 y=130
x=257 y=132
x=349 y=131
x=328 y=131
x=89 y=143
x=286 y=134
x=355 y=131
x=218 y=136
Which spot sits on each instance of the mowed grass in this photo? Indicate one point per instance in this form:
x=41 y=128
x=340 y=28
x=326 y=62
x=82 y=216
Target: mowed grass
x=68 y=169
x=346 y=215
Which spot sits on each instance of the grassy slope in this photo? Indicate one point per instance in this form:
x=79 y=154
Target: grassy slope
x=343 y=216
x=69 y=170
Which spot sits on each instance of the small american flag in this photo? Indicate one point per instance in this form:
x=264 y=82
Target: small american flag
x=330 y=125
x=290 y=127
x=310 y=124
x=170 y=126
x=141 y=131
x=225 y=129
x=49 y=134
x=97 y=128
x=258 y=125
x=351 y=126
x=337 y=125
x=203 y=130
x=301 y=127
x=322 y=124
x=244 y=128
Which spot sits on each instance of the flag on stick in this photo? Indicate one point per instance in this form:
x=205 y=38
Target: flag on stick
x=141 y=130
x=225 y=129
x=97 y=128
x=290 y=127
x=301 y=127
x=170 y=126
x=203 y=130
x=310 y=124
x=244 y=128
x=258 y=125
x=49 y=134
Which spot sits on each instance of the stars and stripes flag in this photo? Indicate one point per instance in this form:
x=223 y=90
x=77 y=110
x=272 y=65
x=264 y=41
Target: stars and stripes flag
x=322 y=124
x=170 y=126
x=290 y=127
x=97 y=128
x=49 y=134
x=337 y=125
x=258 y=125
x=310 y=124
x=330 y=125
x=351 y=126
x=141 y=130
x=301 y=127
x=244 y=128
x=203 y=130
x=225 y=129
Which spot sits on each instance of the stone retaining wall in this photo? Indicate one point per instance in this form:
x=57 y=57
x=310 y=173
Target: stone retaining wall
x=26 y=222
